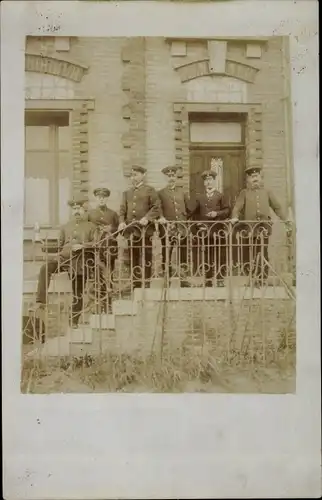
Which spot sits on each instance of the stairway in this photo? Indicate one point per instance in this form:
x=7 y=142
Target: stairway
x=137 y=324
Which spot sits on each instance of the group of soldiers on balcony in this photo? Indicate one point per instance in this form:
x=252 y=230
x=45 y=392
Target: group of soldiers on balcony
x=143 y=211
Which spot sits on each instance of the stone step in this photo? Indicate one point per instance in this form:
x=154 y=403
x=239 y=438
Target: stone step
x=55 y=347
x=57 y=286
x=202 y=294
x=81 y=335
x=102 y=321
x=76 y=342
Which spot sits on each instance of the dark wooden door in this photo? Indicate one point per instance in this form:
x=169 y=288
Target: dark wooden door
x=233 y=170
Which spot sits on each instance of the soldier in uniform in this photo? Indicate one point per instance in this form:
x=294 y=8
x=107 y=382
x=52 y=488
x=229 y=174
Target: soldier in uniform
x=140 y=208
x=253 y=205
x=211 y=234
x=174 y=209
x=75 y=255
x=106 y=222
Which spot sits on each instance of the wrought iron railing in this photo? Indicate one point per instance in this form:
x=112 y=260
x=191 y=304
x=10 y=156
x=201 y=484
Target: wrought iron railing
x=243 y=273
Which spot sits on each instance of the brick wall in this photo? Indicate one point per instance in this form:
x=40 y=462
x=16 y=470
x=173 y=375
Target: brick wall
x=162 y=89
x=105 y=123
x=133 y=112
x=144 y=115
x=268 y=89
x=215 y=323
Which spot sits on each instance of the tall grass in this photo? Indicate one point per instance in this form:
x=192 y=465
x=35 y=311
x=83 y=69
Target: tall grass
x=177 y=373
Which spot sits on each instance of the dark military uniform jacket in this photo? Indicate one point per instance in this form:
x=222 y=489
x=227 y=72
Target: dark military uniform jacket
x=174 y=203
x=214 y=202
x=76 y=232
x=139 y=202
x=254 y=205
x=174 y=207
x=102 y=217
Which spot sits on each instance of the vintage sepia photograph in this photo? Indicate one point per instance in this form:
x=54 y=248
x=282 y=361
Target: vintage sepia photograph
x=159 y=216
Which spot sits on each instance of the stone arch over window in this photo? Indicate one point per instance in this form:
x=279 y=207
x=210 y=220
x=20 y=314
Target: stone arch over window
x=51 y=78
x=44 y=86
x=219 y=89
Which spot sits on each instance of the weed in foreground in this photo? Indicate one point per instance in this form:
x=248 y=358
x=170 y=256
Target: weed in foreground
x=183 y=371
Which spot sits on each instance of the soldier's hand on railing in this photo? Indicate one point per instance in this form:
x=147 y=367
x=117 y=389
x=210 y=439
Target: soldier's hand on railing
x=201 y=226
x=144 y=221
x=108 y=228
x=122 y=226
x=162 y=220
x=212 y=214
x=76 y=246
x=234 y=220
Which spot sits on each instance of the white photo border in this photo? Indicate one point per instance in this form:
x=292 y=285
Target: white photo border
x=163 y=446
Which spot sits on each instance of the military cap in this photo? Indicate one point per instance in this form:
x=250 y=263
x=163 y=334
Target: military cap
x=166 y=170
x=209 y=173
x=77 y=201
x=101 y=191
x=252 y=170
x=138 y=168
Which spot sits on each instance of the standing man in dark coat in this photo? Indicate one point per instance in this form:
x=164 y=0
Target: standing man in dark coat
x=140 y=207
x=253 y=206
x=211 y=234
x=174 y=209
x=106 y=222
x=75 y=256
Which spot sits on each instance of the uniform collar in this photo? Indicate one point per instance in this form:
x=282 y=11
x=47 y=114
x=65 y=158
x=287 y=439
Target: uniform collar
x=78 y=222
x=138 y=185
x=210 y=192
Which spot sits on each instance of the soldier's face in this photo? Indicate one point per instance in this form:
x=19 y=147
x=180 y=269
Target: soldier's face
x=78 y=212
x=209 y=182
x=254 y=179
x=101 y=200
x=136 y=177
x=172 y=178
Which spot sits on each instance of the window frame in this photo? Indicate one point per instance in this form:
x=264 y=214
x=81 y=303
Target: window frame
x=53 y=150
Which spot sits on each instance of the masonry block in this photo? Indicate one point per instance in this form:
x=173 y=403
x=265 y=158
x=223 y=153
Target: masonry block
x=124 y=307
x=102 y=321
x=81 y=335
x=53 y=348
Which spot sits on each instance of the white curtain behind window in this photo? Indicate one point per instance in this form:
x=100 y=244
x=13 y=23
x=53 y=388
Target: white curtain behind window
x=37 y=198
x=217 y=166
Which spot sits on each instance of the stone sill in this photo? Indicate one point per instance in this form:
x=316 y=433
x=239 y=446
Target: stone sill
x=50 y=233
x=202 y=294
x=56 y=286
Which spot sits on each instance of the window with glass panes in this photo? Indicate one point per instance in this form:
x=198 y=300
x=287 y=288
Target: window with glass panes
x=48 y=167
